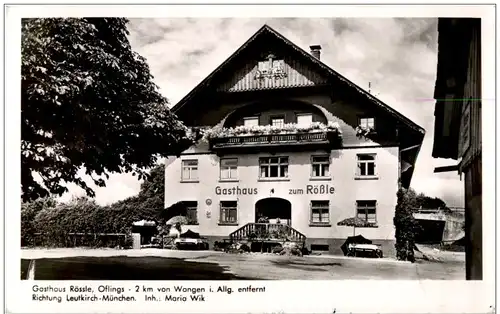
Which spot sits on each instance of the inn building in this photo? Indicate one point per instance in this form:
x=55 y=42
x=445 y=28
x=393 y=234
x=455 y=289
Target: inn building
x=287 y=138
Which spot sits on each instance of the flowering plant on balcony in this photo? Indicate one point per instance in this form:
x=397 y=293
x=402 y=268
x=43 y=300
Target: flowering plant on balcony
x=289 y=128
x=364 y=131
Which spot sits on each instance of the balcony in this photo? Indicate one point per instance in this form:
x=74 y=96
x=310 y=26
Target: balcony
x=289 y=137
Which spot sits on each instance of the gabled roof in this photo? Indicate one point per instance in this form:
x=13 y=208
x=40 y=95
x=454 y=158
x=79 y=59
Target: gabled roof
x=268 y=30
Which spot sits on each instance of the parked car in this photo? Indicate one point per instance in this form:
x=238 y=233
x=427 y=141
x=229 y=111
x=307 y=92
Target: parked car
x=371 y=250
x=191 y=240
x=360 y=246
x=190 y=243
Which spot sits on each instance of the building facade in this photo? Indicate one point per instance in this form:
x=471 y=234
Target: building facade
x=289 y=139
x=458 y=124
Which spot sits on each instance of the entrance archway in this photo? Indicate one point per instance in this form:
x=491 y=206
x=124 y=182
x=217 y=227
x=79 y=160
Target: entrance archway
x=275 y=209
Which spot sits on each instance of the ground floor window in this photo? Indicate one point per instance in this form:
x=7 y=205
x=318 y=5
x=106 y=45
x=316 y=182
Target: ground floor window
x=367 y=210
x=191 y=212
x=320 y=212
x=320 y=247
x=228 y=212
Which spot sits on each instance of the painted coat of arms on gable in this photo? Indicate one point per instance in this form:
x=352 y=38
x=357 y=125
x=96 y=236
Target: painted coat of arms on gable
x=271 y=68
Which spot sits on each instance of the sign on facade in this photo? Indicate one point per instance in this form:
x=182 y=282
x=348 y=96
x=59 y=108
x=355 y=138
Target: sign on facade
x=271 y=68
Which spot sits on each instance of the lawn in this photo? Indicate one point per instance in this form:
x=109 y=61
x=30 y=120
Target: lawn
x=176 y=265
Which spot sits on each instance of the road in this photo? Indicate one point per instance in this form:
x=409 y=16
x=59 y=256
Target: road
x=154 y=264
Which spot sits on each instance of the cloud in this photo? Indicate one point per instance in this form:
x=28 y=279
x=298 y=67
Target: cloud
x=398 y=56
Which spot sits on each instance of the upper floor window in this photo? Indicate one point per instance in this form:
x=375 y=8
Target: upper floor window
x=366 y=165
x=278 y=121
x=251 y=121
x=229 y=169
x=190 y=170
x=304 y=119
x=273 y=167
x=320 y=166
x=320 y=212
x=367 y=210
x=368 y=123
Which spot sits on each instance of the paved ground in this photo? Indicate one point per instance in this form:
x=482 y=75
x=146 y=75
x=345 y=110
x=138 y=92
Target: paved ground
x=151 y=264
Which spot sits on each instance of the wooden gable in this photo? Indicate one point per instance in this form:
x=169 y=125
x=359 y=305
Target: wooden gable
x=270 y=61
x=271 y=72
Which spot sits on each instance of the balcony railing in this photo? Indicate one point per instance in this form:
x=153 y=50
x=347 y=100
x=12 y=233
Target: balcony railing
x=267 y=232
x=325 y=139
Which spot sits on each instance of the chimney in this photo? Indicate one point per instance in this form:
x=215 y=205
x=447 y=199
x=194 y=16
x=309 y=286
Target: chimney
x=316 y=51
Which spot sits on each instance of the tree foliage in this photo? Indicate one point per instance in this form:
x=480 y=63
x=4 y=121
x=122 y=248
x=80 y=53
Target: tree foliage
x=88 y=102
x=427 y=202
x=405 y=223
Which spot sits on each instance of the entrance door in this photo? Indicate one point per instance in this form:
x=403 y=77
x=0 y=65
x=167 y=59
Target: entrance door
x=276 y=210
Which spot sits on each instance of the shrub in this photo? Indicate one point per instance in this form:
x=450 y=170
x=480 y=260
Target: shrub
x=80 y=222
x=29 y=211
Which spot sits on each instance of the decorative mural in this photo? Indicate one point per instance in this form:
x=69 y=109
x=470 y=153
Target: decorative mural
x=270 y=73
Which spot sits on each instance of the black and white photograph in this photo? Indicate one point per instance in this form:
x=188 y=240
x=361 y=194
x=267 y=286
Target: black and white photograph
x=186 y=148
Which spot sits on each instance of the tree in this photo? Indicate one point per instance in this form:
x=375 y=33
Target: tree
x=405 y=223
x=152 y=191
x=147 y=204
x=427 y=202
x=88 y=102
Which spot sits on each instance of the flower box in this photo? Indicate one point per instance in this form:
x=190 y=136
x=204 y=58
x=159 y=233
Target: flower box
x=290 y=128
x=288 y=135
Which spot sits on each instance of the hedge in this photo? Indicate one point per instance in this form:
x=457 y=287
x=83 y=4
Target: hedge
x=81 y=222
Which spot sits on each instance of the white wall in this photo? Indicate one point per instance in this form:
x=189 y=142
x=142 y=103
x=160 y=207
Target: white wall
x=342 y=202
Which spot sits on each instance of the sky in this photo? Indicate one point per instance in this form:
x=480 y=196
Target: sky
x=397 y=56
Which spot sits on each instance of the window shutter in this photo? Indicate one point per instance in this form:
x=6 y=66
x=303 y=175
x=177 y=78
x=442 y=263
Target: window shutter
x=310 y=212
x=220 y=211
x=237 y=209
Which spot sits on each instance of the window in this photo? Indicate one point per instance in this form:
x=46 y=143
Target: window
x=273 y=167
x=320 y=166
x=278 y=121
x=228 y=212
x=191 y=212
x=367 y=122
x=320 y=212
x=320 y=247
x=190 y=170
x=251 y=121
x=304 y=119
x=366 y=165
x=366 y=210
x=229 y=169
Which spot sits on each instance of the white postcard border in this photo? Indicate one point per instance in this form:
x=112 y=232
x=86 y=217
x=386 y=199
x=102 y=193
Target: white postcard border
x=281 y=296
